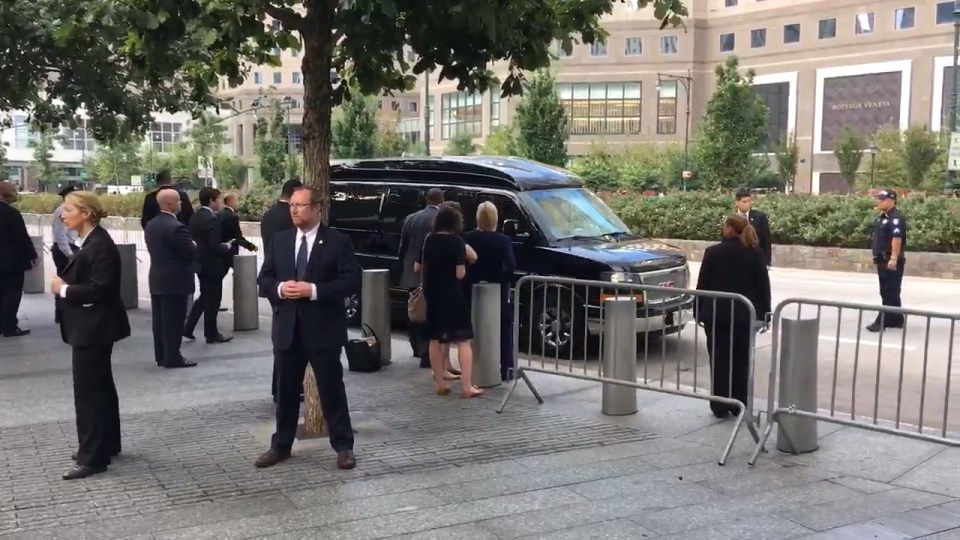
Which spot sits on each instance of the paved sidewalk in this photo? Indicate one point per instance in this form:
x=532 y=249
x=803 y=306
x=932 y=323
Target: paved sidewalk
x=429 y=467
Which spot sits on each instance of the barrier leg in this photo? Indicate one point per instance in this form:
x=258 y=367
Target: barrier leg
x=798 y=384
x=129 y=289
x=486 y=335
x=620 y=356
x=375 y=309
x=246 y=304
x=33 y=279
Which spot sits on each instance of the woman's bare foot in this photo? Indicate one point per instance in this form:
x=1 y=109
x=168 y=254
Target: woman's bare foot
x=447 y=376
x=443 y=390
x=472 y=392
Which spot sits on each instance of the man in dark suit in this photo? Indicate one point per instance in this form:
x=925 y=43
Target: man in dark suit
x=759 y=221
x=17 y=255
x=230 y=227
x=276 y=219
x=172 y=253
x=415 y=229
x=307 y=272
x=212 y=251
x=151 y=209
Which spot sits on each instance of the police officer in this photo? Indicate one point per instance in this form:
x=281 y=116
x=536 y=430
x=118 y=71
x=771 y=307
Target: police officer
x=889 y=244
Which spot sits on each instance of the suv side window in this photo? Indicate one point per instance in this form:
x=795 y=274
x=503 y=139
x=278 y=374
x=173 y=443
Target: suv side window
x=469 y=200
x=400 y=202
x=506 y=208
x=355 y=207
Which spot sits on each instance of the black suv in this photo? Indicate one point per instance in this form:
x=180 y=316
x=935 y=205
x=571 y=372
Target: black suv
x=558 y=229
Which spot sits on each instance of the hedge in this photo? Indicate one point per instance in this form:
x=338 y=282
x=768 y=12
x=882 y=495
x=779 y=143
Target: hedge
x=812 y=220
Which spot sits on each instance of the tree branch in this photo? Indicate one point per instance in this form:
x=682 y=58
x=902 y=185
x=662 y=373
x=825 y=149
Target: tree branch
x=290 y=19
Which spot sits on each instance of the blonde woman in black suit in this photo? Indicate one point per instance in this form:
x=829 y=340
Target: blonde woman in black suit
x=93 y=319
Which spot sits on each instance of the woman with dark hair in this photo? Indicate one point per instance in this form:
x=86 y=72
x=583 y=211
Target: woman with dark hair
x=442 y=268
x=735 y=265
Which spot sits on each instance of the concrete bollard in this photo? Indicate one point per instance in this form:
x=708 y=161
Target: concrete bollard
x=798 y=384
x=375 y=309
x=619 y=355
x=486 y=335
x=34 y=280
x=246 y=304
x=129 y=289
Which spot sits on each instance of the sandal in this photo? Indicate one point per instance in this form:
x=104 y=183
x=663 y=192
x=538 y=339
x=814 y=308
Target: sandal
x=443 y=391
x=454 y=371
x=472 y=393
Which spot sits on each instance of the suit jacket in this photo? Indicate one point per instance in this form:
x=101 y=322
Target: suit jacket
x=332 y=267
x=761 y=223
x=231 y=232
x=732 y=267
x=151 y=209
x=275 y=219
x=211 y=252
x=16 y=249
x=495 y=260
x=172 y=255
x=416 y=227
x=92 y=312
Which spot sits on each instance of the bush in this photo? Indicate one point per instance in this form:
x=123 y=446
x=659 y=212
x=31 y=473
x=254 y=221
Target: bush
x=255 y=202
x=115 y=205
x=813 y=220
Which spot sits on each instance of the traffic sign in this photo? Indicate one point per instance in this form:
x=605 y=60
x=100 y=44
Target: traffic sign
x=953 y=158
x=687 y=174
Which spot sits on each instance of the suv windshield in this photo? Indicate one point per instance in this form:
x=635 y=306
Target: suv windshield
x=573 y=212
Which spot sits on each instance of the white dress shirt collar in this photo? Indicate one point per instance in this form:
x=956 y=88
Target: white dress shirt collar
x=81 y=240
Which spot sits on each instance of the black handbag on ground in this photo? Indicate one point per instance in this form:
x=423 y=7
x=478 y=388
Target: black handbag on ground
x=363 y=354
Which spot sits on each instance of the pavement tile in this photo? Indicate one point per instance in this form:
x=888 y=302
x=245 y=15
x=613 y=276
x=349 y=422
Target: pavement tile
x=617 y=529
x=745 y=528
x=941 y=474
x=821 y=517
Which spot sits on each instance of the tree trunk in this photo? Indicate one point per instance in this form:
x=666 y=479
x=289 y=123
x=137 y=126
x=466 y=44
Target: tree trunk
x=317 y=107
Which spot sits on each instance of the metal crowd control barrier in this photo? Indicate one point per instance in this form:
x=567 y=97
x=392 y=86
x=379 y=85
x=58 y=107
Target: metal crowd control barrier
x=909 y=391
x=556 y=318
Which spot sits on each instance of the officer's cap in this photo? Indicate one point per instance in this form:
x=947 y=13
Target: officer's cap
x=68 y=189
x=886 y=194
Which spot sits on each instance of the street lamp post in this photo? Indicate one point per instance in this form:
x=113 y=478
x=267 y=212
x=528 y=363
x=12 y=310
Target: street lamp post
x=687 y=82
x=873 y=159
x=956 y=83
x=287 y=104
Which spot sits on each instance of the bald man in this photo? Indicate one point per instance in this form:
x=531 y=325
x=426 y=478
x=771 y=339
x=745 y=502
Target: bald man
x=16 y=257
x=172 y=255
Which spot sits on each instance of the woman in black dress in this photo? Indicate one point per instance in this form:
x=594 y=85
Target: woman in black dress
x=442 y=268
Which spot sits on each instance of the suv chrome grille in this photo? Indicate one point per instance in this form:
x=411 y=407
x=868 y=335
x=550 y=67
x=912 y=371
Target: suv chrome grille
x=671 y=277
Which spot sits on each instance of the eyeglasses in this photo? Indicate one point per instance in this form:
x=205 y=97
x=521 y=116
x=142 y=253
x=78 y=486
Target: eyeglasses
x=300 y=206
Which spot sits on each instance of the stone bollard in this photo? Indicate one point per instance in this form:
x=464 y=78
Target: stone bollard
x=34 y=280
x=798 y=384
x=375 y=309
x=619 y=356
x=129 y=289
x=486 y=335
x=246 y=303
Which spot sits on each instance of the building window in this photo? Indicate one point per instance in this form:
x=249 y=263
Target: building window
x=77 y=139
x=828 y=28
x=558 y=49
x=165 y=135
x=395 y=106
x=945 y=12
x=494 y=108
x=258 y=78
x=730 y=3
x=864 y=23
x=633 y=46
x=758 y=38
x=667 y=108
x=776 y=96
x=904 y=18
x=791 y=33
x=412 y=107
x=297 y=78
x=728 y=42
x=22 y=134
x=277 y=78
x=601 y=108
x=598 y=48
x=669 y=45
x=460 y=114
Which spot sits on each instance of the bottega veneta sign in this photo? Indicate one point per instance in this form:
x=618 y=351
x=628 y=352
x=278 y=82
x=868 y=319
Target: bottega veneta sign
x=866 y=103
x=861 y=105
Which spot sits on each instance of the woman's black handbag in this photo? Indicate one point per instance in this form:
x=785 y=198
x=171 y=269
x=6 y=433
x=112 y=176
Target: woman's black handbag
x=363 y=354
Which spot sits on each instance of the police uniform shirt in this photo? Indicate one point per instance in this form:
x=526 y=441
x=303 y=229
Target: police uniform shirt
x=888 y=226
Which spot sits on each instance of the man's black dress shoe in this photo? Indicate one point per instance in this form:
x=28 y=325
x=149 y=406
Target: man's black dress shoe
x=82 y=471
x=189 y=337
x=222 y=309
x=219 y=338
x=16 y=332
x=182 y=364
